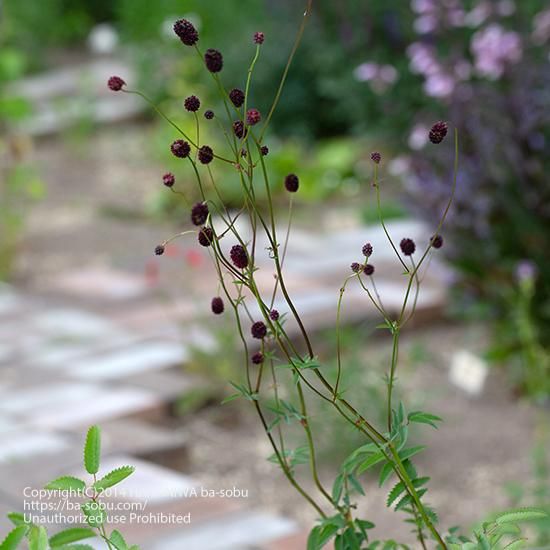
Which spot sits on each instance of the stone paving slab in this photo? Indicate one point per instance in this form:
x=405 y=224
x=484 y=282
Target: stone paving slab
x=67 y=404
x=167 y=384
x=124 y=362
x=101 y=282
x=23 y=442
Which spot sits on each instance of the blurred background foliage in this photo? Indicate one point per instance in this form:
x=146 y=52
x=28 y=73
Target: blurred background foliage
x=369 y=75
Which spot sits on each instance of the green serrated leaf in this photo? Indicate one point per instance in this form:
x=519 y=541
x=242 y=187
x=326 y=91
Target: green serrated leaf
x=38 y=538
x=95 y=513
x=92 y=450
x=424 y=418
x=410 y=452
x=66 y=483
x=18 y=519
x=320 y=535
x=373 y=459
x=405 y=501
x=337 y=487
x=395 y=493
x=516 y=544
x=70 y=535
x=401 y=413
x=410 y=469
x=117 y=539
x=385 y=473
x=520 y=514
x=354 y=482
x=231 y=398
x=114 y=477
x=14 y=537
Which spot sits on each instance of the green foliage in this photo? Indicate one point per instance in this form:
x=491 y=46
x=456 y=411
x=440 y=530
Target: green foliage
x=70 y=535
x=14 y=537
x=118 y=540
x=292 y=457
x=496 y=534
x=95 y=513
x=38 y=538
x=92 y=450
x=113 y=478
x=66 y=483
x=94 y=510
x=242 y=391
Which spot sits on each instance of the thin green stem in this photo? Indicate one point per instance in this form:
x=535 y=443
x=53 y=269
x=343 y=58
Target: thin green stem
x=394 y=357
x=381 y=218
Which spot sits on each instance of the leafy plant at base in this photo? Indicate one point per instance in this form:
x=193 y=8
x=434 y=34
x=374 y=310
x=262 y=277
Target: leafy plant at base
x=93 y=510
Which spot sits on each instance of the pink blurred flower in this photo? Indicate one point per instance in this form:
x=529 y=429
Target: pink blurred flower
x=439 y=85
x=541 y=27
x=379 y=77
x=493 y=48
x=418 y=137
x=194 y=258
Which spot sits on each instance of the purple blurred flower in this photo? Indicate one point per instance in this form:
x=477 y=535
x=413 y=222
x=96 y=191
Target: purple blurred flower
x=541 y=27
x=526 y=270
x=379 y=77
x=493 y=49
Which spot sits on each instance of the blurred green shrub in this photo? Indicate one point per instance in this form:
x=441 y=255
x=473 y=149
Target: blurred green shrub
x=18 y=181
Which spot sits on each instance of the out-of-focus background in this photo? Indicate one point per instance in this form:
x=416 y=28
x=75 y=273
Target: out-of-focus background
x=95 y=329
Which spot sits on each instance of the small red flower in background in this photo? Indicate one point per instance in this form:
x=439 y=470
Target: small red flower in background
x=194 y=258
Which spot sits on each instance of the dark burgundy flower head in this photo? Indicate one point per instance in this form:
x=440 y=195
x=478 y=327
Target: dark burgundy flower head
x=259 y=37
x=209 y=115
x=180 y=148
x=206 y=155
x=199 y=213
x=376 y=157
x=186 y=32
x=292 y=183
x=367 y=250
x=264 y=150
x=407 y=247
x=214 y=60
x=239 y=129
x=239 y=256
x=257 y=358
x=436 y=241
x=192 y=104
x=237 y=97
x=168 y=179
x=258 y=330
x=274 y=315
x=253 y=116
x=438 y=132
x=115 y=83
x=217 y=305
x=356 y=267
x=368 y=269
x=206 y=236
x=159 y=250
